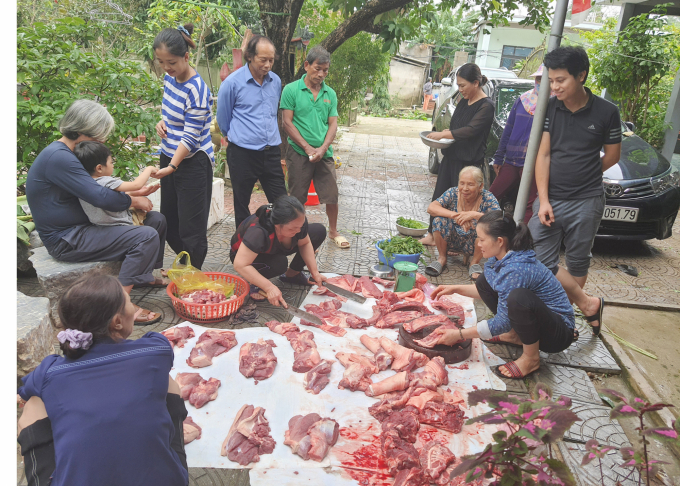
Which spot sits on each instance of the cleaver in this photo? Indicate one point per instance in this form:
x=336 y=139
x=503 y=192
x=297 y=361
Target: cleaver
x=304 y=315
x=345 y=293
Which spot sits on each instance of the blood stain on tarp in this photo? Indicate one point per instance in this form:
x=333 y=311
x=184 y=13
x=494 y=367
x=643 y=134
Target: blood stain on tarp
x=461 y=367
x=361 y=458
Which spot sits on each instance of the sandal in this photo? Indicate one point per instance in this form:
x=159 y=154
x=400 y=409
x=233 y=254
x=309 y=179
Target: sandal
x=434 y=269
x=300 y=279
x=497 y=340
x=476 y=268
x=142 y=316
x=515 y=372
x=341 y=242
x=596 y=317
x=257 y=294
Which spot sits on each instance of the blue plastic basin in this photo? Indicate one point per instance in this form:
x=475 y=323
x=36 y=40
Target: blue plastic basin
x=396 y=257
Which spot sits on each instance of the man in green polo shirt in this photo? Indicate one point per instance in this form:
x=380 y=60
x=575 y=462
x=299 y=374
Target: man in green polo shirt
x=310 y=118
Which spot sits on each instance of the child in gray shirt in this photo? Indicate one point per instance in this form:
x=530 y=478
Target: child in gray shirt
x=97 y=161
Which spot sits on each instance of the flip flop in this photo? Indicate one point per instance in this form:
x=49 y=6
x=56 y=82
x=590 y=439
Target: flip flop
x=596 y=317
x=515 y=372
x=476 y=268
x=497 y=340
x=340 y=241
x=142 y=318
x=300 y=279
x=434 y=269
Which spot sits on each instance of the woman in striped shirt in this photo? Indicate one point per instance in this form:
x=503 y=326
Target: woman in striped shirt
x=187 y=157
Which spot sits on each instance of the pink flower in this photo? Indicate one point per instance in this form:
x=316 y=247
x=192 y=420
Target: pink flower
x=510 y=407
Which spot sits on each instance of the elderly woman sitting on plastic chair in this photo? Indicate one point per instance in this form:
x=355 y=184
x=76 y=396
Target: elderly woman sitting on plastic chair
x=456 y=214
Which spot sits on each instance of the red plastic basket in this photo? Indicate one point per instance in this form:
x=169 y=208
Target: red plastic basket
x=211 y=313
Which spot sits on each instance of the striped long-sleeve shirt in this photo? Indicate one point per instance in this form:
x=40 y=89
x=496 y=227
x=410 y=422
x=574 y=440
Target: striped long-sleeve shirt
x=187 y=115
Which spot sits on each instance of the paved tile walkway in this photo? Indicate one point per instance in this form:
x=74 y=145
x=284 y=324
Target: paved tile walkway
x=385 y=177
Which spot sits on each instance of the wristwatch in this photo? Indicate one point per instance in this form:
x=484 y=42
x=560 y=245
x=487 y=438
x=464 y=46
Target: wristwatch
x=174 y=167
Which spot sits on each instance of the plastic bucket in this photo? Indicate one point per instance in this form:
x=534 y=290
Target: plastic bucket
x=396 y=257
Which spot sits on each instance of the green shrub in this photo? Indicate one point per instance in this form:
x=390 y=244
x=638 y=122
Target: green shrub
x=53 y=70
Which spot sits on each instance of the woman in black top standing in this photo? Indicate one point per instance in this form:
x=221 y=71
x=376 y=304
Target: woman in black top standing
x=470 y=126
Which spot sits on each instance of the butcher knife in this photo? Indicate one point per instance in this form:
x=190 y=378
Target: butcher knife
x=345 y=293
x=304 y=315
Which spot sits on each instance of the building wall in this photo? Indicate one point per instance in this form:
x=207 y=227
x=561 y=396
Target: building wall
x=407 y=78
x=513 y=35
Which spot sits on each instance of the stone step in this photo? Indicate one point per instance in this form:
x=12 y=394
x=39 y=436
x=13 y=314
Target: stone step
x=56 y=276
x=35 y=335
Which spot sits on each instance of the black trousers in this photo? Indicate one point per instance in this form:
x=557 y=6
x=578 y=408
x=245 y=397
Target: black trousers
x=273 y=265
x=246 y=167
x=140 y=248
x=37 y=443
x=447 y=177
x=185 y=203
x=530 y=318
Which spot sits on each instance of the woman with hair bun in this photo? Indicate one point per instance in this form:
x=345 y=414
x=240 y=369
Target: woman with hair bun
x=531 y=308
x=107 y=412
x=187 y=158
x=263 y=241
x=470 y=126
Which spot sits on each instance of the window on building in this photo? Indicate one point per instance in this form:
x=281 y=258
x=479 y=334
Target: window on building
x=512 y=54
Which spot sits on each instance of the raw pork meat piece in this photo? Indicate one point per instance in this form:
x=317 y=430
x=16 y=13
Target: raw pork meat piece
x=398 y=453
x=425 y=321
x=324 y=435
x=382 y=358
x=391 y=401
x=433 y=375
x=443 y=416
x=204 y=392
x=210 y=344
x=333 y=330
x=404 y=359
x=192 y=431
x=432 y=339
x=342 y=282
x=413 y=295
x=328 y=311
x=301 y=341
x=411 y=477
x=249 y=436
x=297 y=437
x=311 y=436
x=328 y=293
x=368 y=288
x=257 y=360
x=306 y=360
x=377 y=314
x=357 y=372
x=178 y=336
x=395 y=318
x=282 y=328
x=204 y=297
x=187 y=382
x=396 y=382
x=388 y=300
x=451 y=308
x=420 y=397
x=435 y=458
x=388 y=284
x=406 y=424
x=317 y=378
x=410 y=306
x=420 y=280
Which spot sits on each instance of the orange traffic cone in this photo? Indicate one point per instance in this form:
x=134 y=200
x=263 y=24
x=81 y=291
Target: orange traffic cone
x=312 y=197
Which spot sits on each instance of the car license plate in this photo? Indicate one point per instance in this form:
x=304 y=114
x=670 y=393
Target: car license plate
x=613 y=213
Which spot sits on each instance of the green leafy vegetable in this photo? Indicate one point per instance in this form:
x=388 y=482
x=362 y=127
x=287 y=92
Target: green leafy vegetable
x=401 y=245
x=410 y=223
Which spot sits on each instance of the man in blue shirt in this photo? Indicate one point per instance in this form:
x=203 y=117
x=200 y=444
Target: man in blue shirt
x=247 y=107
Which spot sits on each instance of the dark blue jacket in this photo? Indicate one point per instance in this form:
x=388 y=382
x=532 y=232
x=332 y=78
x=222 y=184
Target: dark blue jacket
x=521 y=270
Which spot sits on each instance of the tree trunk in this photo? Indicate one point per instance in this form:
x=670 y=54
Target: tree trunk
x=280 y=29
x=361 y=20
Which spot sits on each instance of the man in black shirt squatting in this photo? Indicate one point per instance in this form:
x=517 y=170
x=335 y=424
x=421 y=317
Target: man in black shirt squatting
x=569 y=169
